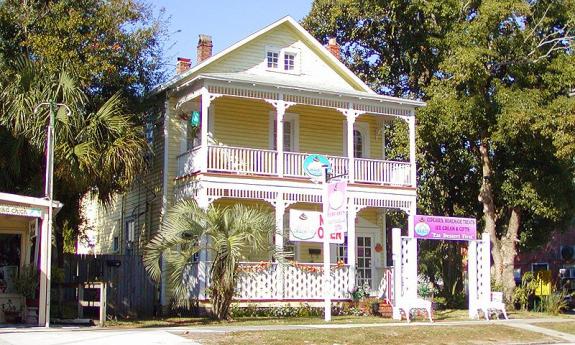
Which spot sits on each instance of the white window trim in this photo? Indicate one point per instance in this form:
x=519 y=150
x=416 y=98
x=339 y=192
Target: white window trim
x=277 y=50
x=289 y=117
x=281 y=59
x=363 y=128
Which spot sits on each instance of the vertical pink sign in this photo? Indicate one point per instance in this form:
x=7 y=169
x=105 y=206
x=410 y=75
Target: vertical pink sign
x=335 y=206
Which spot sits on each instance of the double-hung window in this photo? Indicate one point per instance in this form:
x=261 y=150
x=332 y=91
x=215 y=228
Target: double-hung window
x=282 y=60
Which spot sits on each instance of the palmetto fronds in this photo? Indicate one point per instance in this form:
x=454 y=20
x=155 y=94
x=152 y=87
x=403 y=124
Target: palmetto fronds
x=229 y=234
x=100 y=149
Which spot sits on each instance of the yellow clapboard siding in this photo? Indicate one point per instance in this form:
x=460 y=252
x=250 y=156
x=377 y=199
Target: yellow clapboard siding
x=241 y=122
x=246 y=123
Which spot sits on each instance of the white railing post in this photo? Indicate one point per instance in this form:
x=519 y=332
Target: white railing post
x=280 y=112
x=350 y=116
x=205 y=103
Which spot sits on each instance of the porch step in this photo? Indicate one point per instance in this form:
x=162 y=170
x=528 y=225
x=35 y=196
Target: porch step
x=385 y=309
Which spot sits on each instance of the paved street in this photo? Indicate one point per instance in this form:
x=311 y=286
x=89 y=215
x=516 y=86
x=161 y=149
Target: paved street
x=172 y=335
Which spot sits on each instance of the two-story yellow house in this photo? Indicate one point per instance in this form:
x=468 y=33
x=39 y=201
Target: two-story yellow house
x=237 y=127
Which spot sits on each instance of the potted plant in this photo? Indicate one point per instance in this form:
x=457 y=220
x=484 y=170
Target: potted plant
x=11 y=313
x=26 y=284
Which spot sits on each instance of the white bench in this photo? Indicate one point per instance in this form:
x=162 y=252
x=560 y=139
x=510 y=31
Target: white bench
x=407 y=305
x=494 y=303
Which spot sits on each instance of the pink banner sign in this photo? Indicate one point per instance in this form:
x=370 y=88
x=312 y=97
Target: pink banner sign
x=445 y=228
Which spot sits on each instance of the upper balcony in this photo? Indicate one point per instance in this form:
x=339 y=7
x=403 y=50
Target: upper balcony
x=260 y=162
x=266 y=130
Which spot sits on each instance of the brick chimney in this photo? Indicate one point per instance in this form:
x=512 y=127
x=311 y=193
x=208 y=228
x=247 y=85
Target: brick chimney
x=183 y=65
x=204 y=48
x=333 y=48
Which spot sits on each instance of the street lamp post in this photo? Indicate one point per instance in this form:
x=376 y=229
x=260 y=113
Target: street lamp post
x=49 y=194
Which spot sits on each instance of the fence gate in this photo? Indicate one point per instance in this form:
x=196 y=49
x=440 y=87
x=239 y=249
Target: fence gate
x=130 y=292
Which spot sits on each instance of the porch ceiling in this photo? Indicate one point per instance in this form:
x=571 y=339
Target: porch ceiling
x=269 y=88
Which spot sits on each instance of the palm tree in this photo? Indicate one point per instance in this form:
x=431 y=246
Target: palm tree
x=228 y=233
x=98 y=147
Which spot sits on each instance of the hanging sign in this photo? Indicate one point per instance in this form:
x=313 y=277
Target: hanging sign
x=445 y=228
x=195 y=118
x=335 y=206
x=309 y=226
x=314 y=164
x=18 y=210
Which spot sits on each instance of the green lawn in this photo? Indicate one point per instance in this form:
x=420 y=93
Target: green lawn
x=469 y=334
x=439 y=316
x=566 y=327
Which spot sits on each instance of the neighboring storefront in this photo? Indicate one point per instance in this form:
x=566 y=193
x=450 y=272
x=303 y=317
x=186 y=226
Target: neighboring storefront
x=24 y=249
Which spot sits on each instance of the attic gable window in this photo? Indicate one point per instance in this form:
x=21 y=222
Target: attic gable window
x=272 y=59
x=289 y=61
x=282 y=60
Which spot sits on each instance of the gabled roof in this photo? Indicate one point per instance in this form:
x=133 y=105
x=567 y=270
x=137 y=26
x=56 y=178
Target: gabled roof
x=308 y=38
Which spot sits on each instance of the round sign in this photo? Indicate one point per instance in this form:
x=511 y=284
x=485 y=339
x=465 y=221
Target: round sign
x=313 y=165
x=422 y=229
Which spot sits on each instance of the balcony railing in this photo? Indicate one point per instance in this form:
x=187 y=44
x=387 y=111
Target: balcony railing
x=248 y=161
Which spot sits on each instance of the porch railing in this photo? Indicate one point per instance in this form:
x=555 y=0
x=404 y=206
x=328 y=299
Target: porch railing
x=241 y=160
x=271 y=281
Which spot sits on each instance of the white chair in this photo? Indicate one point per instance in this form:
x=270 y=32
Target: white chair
x=493 y=303
x=408 y=304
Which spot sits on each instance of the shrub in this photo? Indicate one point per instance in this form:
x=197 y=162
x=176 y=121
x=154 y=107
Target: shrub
x=522 y=293
x=554 y=303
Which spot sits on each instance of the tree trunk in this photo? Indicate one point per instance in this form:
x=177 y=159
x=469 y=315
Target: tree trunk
x=508 y=252
x=487 y=199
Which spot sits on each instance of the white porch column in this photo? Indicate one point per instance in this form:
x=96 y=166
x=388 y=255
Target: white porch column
x=350 y=115
x=280 y=112
x=411 y=123
x=203 y=267
x=351 y=247
x=43 y=310
x=397 y=271
x=205 y=105
x=384 y=236
x=280 y=208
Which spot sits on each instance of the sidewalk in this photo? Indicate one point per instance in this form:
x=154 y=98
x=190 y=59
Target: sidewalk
x=173 y=335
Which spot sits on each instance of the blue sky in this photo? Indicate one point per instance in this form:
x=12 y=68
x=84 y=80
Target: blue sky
x=227 y=21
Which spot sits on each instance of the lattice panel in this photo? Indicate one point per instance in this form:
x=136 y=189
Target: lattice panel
x=257 y=285
x=408 y=263
x=299 y=284
x=483 y=274
x=242 y=92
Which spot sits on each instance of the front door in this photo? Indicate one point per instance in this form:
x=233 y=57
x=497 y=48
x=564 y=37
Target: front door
x=364 y=264
x=364 y=270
